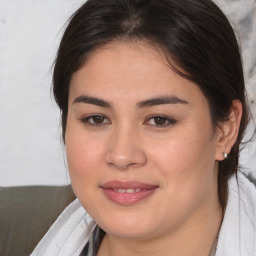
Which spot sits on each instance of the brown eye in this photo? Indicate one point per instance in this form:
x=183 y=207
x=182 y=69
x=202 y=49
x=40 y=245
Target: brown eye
x=160 y=120
x=95 y=120
x=98 y=119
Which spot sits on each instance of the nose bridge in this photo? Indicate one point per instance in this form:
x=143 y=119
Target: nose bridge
x=125 y=150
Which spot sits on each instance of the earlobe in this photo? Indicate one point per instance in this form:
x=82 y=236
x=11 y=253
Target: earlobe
x=228 y=131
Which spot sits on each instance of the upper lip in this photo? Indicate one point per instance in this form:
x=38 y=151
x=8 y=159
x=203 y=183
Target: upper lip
x=116 y=184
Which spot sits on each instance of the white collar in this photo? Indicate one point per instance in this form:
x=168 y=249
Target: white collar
x=69 y=233
x=238 y=231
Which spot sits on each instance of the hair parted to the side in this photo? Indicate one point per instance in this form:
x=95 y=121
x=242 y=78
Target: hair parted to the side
x=194 y=34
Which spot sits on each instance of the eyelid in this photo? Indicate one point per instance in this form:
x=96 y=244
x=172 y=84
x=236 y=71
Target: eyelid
x=85 y=120
x=171 y=121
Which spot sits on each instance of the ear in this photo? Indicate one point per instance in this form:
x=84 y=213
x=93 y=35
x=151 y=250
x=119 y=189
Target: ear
x=228 y=131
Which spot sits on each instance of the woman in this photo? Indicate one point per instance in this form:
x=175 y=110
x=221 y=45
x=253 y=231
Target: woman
x=153 y=108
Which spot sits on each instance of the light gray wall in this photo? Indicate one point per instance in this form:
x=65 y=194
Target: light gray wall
x=30 y=30
x=30 y=147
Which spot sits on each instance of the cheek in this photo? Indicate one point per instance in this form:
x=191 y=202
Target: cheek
x=187 y=171
x=186 y=161
x=181 y=152
x=83 y=156
x=83 y=165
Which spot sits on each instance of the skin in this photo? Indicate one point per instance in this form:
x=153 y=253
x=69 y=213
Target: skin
x=180 y=156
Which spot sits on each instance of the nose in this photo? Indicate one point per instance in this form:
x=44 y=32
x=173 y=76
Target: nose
x=125 y=150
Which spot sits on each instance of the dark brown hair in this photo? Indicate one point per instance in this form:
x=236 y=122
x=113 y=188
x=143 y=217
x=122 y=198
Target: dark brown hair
x=196 y=36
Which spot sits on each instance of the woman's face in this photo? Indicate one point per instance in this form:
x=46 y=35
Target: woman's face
x=140 y=143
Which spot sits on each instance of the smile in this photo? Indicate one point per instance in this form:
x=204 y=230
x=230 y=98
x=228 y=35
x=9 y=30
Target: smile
x=127 y=193
x=128 y=190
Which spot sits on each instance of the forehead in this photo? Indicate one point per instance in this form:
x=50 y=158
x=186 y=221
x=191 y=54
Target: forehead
x=132 y=71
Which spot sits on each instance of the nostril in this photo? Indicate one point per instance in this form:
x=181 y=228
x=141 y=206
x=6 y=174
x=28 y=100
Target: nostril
x=124 y=150
x=124 y=162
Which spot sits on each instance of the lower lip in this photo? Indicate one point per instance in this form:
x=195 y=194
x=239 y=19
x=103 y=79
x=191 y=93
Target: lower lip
x=127 y=198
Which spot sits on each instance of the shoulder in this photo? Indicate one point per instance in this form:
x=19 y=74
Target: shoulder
x=242 y=189
x=69 y=233
x=247 y=187
x=238 y=233
x=251 y=178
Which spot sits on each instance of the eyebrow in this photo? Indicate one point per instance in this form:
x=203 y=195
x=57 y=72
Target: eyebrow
x=92 y=100
x=142 y=104
x=160 y=101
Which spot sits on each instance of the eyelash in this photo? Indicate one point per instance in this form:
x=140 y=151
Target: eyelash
x=167 y=121
x=86 y=120
x=170 y=121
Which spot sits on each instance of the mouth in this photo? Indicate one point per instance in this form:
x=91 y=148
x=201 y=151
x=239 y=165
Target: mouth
x=127 y=193
x=128 y=190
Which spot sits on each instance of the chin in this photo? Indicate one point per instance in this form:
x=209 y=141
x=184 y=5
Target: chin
x=126 y=232
x=130 y=227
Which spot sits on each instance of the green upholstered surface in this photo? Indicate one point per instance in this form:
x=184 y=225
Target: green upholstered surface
x=26 y=213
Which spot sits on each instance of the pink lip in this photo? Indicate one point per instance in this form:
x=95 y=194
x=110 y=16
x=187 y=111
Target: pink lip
x=125 y=198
